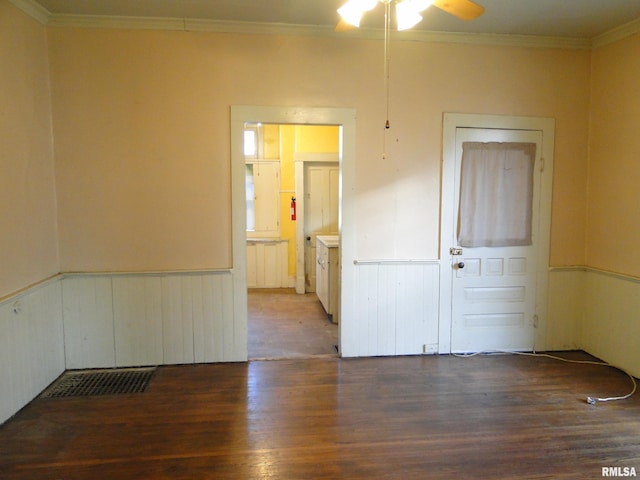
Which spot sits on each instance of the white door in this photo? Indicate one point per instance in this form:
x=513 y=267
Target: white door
x=494 y=282
x=321 y=212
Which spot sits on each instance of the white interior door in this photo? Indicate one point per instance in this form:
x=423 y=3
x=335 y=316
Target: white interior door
x=493 y=289
x=321 y=183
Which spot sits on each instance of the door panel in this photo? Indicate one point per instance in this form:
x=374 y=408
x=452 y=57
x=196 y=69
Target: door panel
x=266 y=188
x=321 y=212
x=493 y=291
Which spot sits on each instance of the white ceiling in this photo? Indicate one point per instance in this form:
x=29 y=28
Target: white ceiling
x=584 y=19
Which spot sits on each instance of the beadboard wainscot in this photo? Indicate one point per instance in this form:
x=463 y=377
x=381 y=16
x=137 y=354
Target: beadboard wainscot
x=565 y=308
x=396 y=307
x=267 y=263
x=611 y=326
x=31 y=344
x=134 y=319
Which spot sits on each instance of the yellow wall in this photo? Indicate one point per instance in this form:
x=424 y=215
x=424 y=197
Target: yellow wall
x=299 y=139
x=614 y=167
x=287 y=187
x=28 y=236
x=317 y=139
x=141 y=121
x=271 y=141
x=142 y=151
x=610 y=326
x=141 y=129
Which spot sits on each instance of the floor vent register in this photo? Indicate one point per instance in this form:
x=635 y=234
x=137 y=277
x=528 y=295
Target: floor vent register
x=100 y=382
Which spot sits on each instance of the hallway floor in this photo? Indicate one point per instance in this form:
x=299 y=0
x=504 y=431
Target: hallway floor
x=283 y=324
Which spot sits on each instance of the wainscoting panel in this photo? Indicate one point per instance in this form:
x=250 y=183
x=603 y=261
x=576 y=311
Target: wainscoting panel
x=565 y=309
x=177 y=319
x=611 y=327
x=268 y=263
x=88 y=322
x=397 y=307
x=213 y=324
x=136 y=319
x=31 y=345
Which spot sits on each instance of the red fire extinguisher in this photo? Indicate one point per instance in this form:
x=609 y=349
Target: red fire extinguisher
x=293 y=208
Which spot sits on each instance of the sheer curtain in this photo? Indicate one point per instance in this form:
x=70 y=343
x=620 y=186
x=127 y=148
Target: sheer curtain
x=496 y=193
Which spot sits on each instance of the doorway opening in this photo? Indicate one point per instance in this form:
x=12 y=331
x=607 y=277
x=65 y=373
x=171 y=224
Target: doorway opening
x=292 y=197
x=345 y=119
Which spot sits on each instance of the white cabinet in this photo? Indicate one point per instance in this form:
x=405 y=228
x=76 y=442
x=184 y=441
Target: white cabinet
x=268 y=263
x=328 y=274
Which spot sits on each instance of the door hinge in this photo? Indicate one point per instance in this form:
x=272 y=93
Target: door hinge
x=535 y=321
x=542 y=164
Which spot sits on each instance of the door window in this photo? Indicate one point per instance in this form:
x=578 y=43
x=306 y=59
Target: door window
x=496 y=193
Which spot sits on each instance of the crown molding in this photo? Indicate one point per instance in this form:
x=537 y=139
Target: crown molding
x=200 y=25
x=42 y=15
x=531 y=41
x=33 y=9
x=116 y=22
x=185 y=24
x=616 y=34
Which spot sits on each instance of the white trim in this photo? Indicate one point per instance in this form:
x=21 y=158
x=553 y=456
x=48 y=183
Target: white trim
x=533 y=41
x=609 y=273
x=203 y=25
x=44 y=16
x=396 y=261
x=320 y=157
x=568 y=268
x=33 y=9
x=29 y=289
x=157 y=273
x=298 y=169
x=344 y=117
x=112 y=21
x=616 y=34
x=451 y=122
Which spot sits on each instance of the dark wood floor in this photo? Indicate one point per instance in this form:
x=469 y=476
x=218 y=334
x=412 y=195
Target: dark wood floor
x=436 y=417
x=283 y=324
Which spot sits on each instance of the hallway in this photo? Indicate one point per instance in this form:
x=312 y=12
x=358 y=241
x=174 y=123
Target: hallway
x=283 y=324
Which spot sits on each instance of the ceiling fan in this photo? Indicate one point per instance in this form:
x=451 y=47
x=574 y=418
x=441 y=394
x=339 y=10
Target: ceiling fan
x=407 y=11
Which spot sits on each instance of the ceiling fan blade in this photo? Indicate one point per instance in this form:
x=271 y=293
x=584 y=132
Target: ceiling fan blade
x=463 y=9
x=343 y=26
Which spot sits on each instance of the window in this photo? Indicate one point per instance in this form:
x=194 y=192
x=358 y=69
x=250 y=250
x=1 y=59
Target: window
x=253 y=141
x=262 y=185
x=250 y=143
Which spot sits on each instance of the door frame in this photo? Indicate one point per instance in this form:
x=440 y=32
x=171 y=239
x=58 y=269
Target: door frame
x=451 y=122
x=346 y=119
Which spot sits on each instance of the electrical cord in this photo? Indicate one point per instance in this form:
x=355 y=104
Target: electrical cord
x=590 y=400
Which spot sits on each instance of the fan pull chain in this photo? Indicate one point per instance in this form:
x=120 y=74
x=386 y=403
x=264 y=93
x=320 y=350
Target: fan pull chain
x=387 y=20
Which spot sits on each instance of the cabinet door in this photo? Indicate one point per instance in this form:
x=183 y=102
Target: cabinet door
x=263 y=179
x=322 y=275
x=321 y=212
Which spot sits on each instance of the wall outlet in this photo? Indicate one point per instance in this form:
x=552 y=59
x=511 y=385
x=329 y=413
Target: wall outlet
x=430 y=349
